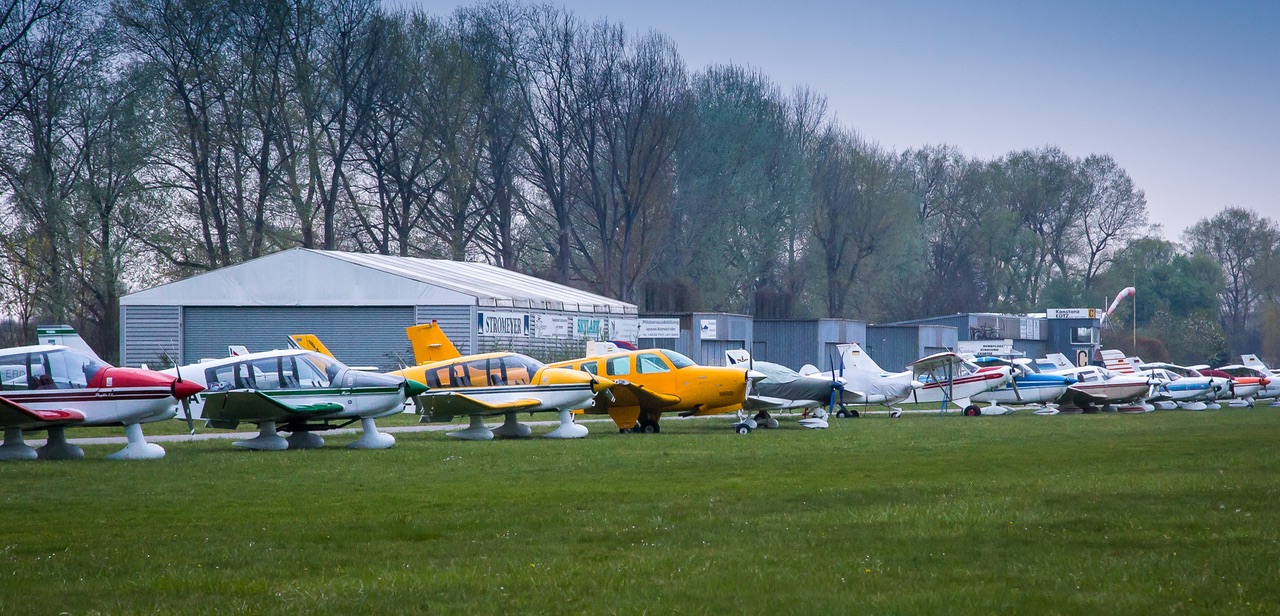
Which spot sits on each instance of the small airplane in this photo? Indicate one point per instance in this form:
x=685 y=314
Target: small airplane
x=62 y=383
x=298 y=391
x=1175 y=386
x=950 y=379
x=1254 y=367
x=785 y=389
x=1028 y=386
x=489 y=384
x=865 y=382
x=1241 y=389
x=1094 y=385
x=650 y=382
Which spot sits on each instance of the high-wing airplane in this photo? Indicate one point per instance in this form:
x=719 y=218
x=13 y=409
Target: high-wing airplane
x=650 y=382
x=1028 y=386
x=52 y=387
x=950 y=379
x=785 y=389
x=298 y=391
x=865 y=382
x=490 y=384
x=1094 y=385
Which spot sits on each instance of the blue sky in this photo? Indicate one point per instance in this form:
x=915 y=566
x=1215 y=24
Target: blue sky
x=1184 y=95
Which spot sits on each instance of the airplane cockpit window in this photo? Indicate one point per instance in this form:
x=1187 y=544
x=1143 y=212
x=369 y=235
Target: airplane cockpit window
x=72 y=370
x=519 y=369
x=266 y=373
x=677 y=360
x=308 y=374
x=40 y=372
x=618 y=366
x=329 y=366
x=648 y=363
x=13 y=373
x=589 y=367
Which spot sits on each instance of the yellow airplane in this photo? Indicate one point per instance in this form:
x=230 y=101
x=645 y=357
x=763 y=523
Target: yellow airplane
x=489 y=384
x=651 y=382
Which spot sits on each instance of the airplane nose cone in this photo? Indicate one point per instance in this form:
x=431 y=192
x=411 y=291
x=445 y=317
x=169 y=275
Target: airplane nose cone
x=186 y=389
x=413 y=388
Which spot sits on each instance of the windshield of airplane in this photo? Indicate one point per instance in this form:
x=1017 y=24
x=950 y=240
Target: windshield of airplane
x=60 y=369
x=304 y=371
x=676 y=359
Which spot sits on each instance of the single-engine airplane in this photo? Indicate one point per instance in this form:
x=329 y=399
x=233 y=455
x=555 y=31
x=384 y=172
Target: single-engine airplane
x=298 y=391
x=1253 y=367
x=1094 y=385
x=785 y=389
x=1028 y=386
x=950 y=379
x=52 y=387
x=489 y=384
x=865 y=382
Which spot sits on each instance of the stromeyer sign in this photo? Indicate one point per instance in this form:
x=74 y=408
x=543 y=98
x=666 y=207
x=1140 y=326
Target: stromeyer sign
x=502 y=324
x=1072 y=313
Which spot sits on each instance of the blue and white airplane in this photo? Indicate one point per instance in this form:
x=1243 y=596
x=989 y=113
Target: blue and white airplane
x=1028 y=386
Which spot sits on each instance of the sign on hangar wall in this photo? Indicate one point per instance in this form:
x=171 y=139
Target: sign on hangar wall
x=1072 y=313
x=522 y=324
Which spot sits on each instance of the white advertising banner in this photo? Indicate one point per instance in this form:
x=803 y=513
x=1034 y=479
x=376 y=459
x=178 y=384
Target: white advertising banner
x=624 y=329
x=502 y=324
x=986 y=347
x=707 y=329
x=660 y=328
x=588 y=327
x=551 y=326
x=1072 y=313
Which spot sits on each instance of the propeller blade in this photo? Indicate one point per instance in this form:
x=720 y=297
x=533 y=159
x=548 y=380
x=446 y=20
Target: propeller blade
x=186 y=409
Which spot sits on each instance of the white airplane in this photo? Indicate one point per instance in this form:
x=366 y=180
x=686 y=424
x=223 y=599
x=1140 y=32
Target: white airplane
x=298 y=391
x=1171 y=386
x=782 y=388
x=1028 y=386
x=865 y=382
x=949 y=378
x=1251 y=366
x=1094 y=385
x=52 y=387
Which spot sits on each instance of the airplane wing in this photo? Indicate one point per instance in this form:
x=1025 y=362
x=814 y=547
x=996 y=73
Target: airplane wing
x=14 y=415
x=442 y=405
x=628 y=394
x=754 y=403
x=925 y=365
x=250 y=405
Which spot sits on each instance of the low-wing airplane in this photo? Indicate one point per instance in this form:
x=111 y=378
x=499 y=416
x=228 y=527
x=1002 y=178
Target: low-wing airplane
x=785 y=389
x=650 y=382
x=1241 y=389
x=1174 y=386
x=1254 y=367
x=490 y=384
x=298 y=391
x=52 y=387
x=1028 y=386
x=1094 y=385
x=865 y=382
x=950 y=379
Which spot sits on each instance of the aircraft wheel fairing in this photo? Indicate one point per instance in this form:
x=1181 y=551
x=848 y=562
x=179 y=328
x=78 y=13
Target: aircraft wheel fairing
x=138 y=447
x=512 y=428
x=371 y=437
x=305 y=439
x=771 y=423
x=15 y=448
x=567 y=428
x=477 y=431
x=267 y=439
x=57 y=447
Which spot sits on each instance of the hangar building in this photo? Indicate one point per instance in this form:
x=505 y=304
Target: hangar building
x=360 y=305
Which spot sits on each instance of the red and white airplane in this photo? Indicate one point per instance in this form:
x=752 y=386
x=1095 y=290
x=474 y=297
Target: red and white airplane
x=62 y=383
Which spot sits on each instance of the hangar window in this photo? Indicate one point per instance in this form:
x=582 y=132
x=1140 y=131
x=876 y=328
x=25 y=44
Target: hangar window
x=619 y=366
x=1082 y=335
x=650 y=364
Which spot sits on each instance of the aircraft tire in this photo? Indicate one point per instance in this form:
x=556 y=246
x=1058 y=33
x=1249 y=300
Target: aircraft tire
x=742 y=429
x=842 y=414
x=650 y=427
x=972 y=411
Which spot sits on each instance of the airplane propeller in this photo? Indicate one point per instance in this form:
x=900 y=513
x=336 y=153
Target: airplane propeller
x=186 y=402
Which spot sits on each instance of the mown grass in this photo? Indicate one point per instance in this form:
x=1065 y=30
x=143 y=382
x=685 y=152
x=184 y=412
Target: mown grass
x=1167 y=512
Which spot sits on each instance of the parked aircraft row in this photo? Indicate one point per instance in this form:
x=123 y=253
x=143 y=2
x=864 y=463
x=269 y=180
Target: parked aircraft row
x=304 y=390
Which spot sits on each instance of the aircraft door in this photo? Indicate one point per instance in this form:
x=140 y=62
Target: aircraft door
x=652 y=370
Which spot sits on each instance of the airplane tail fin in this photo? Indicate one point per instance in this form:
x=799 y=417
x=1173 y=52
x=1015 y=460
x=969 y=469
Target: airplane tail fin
x=309 y=342
x=1252 y=361
x=66 y=336
x=1059 y=361
x=734 y=357
x=1115 y=361
x=430 y=344
x=854 y=358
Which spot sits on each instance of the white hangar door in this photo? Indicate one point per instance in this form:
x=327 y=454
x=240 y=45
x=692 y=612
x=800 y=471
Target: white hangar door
x=358 y=335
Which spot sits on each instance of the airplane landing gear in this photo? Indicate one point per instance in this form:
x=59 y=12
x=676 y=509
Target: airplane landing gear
x=764 y=420
x=844 y=413
x=305 y=439
x=648 y=426
x=14 y=447
x=138 y=447
x=372 y=438
x=267 y=439
x=477 y=431
x=567 y=428
x=742 y=428
x=512 y=428
x=972 y=411
x=57 y=447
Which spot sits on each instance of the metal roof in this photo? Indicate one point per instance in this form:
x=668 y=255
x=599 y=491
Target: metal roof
x=308 y=277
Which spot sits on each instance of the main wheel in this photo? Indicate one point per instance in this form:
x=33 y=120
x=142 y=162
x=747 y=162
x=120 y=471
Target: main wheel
x=743 y=429
x=842 y=413
x=649 y=426
x=972 y=411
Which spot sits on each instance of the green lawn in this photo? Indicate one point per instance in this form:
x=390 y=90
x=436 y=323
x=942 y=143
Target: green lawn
x=1166 y=512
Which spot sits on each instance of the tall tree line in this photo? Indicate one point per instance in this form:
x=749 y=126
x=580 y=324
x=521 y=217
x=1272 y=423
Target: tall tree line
x=146 y=140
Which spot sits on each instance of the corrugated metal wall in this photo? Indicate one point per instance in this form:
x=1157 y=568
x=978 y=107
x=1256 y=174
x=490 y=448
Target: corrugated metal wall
x=357 y=335
x=796 y=342
x=456 y=323
x=148 y=334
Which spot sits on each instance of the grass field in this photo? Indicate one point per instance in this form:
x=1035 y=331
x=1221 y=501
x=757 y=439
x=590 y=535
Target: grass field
x=1167 y=512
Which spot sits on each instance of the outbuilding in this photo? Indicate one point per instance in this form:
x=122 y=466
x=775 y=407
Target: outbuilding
x=359 y=305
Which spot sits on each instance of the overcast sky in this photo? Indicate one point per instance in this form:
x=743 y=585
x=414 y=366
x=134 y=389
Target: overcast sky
x=1184 y=95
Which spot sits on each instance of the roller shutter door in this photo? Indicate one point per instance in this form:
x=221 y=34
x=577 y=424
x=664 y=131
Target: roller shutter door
x=358 y=335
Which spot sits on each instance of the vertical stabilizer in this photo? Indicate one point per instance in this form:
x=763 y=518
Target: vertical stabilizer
x=1115 y=361
x=852 y=357
x=65 y=336
x=309 y=342
x=430 y=344
x=1252 y=361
